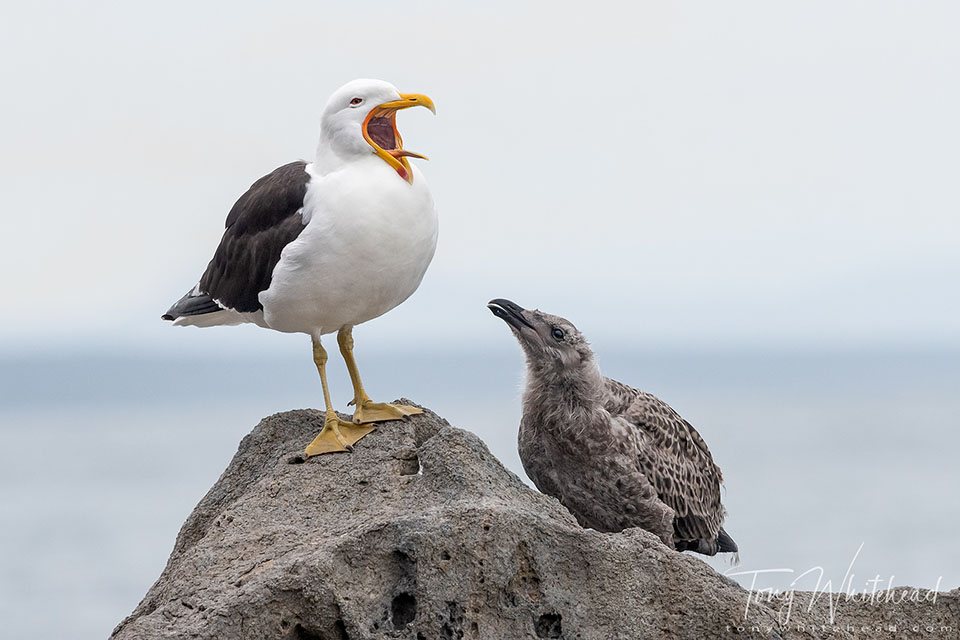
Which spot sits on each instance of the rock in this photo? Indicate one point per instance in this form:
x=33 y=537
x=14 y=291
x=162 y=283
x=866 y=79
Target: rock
x=420 y=533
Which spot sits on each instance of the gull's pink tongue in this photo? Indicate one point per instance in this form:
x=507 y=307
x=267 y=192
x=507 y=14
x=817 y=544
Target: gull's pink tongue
x=399 y=153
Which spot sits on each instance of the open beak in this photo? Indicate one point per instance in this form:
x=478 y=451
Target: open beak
x=509 y=312
x=380 y=132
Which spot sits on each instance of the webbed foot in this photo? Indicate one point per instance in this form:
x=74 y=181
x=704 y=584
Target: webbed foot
x=337 y=435
x=368 y=411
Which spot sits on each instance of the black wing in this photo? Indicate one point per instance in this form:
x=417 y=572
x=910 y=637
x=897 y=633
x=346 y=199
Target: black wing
x=261 y=223
x=677 y=462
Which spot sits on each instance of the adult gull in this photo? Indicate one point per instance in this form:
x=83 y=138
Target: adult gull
x=321 y=247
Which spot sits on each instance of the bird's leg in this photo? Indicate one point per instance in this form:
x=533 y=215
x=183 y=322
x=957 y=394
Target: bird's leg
x=336 y=434
x=367 y=410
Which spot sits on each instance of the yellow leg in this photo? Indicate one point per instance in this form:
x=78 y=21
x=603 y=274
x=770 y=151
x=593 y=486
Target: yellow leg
x=368 y=411
x=336 y=434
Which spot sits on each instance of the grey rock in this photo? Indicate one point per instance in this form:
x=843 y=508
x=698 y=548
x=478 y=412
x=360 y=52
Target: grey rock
x=421 y=533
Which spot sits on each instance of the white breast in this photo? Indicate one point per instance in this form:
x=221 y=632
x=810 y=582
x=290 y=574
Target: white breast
x=369 y=238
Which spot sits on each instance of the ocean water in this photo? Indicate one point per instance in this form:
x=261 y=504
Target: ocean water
x=838 y=465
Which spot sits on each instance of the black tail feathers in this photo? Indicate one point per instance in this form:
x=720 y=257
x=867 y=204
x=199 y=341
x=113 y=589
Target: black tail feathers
x=192 y=304
x=723 y=544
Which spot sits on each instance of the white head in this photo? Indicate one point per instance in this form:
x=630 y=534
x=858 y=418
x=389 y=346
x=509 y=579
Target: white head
x=360 y=119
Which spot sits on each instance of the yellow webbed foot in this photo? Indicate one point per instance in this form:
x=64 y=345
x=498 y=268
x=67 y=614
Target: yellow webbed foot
x=368 y=411
x=337 y=435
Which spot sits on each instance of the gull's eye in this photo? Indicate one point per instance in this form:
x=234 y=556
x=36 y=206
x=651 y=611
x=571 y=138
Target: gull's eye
x=557 y=333
x=356 y=101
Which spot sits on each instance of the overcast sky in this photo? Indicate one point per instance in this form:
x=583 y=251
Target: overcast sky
x=695 y=174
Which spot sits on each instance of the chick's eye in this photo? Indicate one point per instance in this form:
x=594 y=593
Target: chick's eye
x=356 y=101
x=558 y=333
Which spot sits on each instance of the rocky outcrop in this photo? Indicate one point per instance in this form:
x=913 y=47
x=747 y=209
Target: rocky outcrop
x=420 y=533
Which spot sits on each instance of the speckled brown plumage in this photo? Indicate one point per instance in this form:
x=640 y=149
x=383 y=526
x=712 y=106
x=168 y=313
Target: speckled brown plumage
x=615 y=456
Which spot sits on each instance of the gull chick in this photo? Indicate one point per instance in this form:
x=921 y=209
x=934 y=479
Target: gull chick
x=615 y=456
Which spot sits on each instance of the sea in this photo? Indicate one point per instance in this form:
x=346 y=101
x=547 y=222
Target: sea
x=840 y=466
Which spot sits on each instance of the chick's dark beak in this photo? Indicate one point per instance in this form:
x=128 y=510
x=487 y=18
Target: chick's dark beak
x=509 y=312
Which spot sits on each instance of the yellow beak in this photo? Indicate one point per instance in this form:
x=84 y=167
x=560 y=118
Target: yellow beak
x=385 y=139
x=408 y=100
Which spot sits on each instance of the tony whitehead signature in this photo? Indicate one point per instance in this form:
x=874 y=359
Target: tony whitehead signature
x=873 y=591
